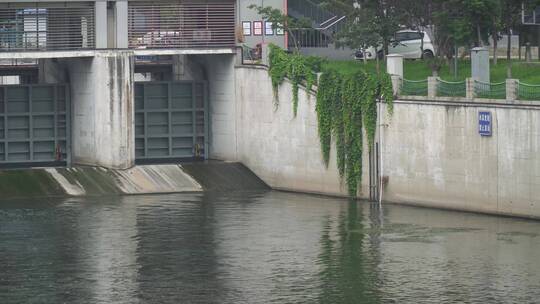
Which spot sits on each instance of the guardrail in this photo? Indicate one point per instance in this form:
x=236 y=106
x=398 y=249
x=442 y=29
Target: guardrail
x=414 y=87
x=528 y=91
x=451 y=89
x=490 y=90
x=433 y=88
x=310 y=38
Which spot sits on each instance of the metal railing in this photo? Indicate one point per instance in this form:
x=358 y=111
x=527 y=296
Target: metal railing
x=310 y=38
x=181 y=24
x=251 y=54
x=414 y=87
x=311 y=10
x=451 y=89
x=528 y=91
x=46 y=26
x=490 y=90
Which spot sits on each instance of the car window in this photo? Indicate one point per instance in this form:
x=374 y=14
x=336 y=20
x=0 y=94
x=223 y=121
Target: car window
x=415 y=36
x=401 y=36
x=404 y=36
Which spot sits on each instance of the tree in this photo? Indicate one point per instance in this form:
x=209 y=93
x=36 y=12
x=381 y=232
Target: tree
x=510 y=19
x=480 y=15
x=369 y=23
x=281 y=21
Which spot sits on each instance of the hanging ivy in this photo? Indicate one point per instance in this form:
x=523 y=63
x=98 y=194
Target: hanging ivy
x=346 y=106
x=296 y=68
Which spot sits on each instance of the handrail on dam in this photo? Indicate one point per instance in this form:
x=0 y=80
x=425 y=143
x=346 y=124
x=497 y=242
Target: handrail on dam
x=433 y=88
x=477 y=88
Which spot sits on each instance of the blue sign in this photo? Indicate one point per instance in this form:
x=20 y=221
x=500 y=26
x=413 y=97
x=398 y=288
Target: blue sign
x=484 y=123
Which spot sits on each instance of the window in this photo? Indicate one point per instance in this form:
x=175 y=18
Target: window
x=406 y=36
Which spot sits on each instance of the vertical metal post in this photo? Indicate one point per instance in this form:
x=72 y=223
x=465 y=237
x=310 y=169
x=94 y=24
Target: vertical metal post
x=6 y=144
x=377 y=173
x=371 y=175
x=194 y=116
x=67 y=115
x=30 y=124
x=145 y=122
x=55 y=119
x=169 y=114
x=206 y=121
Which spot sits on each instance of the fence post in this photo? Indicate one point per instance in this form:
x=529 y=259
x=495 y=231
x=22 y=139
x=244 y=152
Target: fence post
x=469 y=87
x=432 y=86
x=396 y=84
x=264 y=54
x=394 y=65
x=511 y=89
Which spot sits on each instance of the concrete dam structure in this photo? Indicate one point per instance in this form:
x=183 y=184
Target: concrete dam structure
x=110 y=96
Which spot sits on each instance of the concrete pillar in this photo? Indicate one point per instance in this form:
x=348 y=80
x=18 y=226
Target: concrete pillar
x=469 y=87
x=102 y=110
x=101 y=24
x=121 y=16
x=396 y=84
x=432 y=87
x=178 y=67
x=264 y=54
x=511 y=89
x=394 y=65
x=480 y=64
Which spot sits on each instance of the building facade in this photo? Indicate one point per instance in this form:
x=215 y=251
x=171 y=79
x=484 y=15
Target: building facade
x=114 y=83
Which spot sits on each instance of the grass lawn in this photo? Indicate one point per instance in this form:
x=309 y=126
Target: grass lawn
x=418 y=70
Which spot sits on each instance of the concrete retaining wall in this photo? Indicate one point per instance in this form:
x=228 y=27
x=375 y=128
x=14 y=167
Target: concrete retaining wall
x=434 y=156
x=432 y=152
x=281 y=149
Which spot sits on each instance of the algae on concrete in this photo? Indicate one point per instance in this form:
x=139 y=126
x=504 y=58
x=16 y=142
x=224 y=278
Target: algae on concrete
x=28 y=183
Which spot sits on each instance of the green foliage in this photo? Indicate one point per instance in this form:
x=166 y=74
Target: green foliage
x=295 y=67
x=346 y=105
x=327 y=92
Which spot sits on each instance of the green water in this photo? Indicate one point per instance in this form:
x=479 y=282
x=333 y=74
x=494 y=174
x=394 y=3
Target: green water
x=267 y=247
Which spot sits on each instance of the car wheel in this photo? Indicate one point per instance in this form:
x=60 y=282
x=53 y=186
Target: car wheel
x=427 y=54
x=380 y=55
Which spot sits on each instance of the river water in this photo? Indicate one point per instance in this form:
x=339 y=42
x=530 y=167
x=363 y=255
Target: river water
x=270 y=247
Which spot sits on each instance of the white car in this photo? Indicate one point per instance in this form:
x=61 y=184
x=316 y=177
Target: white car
x=407 y=43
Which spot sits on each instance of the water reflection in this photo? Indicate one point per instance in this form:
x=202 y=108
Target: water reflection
x=268 y=247
x=349 y=265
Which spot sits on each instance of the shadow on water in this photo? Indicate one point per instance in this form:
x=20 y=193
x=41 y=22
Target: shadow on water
x=176 y=249
x=349 y=257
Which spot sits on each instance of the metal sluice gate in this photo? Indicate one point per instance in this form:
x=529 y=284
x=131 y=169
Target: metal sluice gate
x=34 y=124
x=171 y=120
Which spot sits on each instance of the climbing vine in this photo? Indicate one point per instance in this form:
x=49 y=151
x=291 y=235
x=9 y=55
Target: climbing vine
x=295 y=67
x=346 y=106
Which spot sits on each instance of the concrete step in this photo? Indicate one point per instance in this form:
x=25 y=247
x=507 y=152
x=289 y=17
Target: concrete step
x=224 y=176
x=146 y=179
